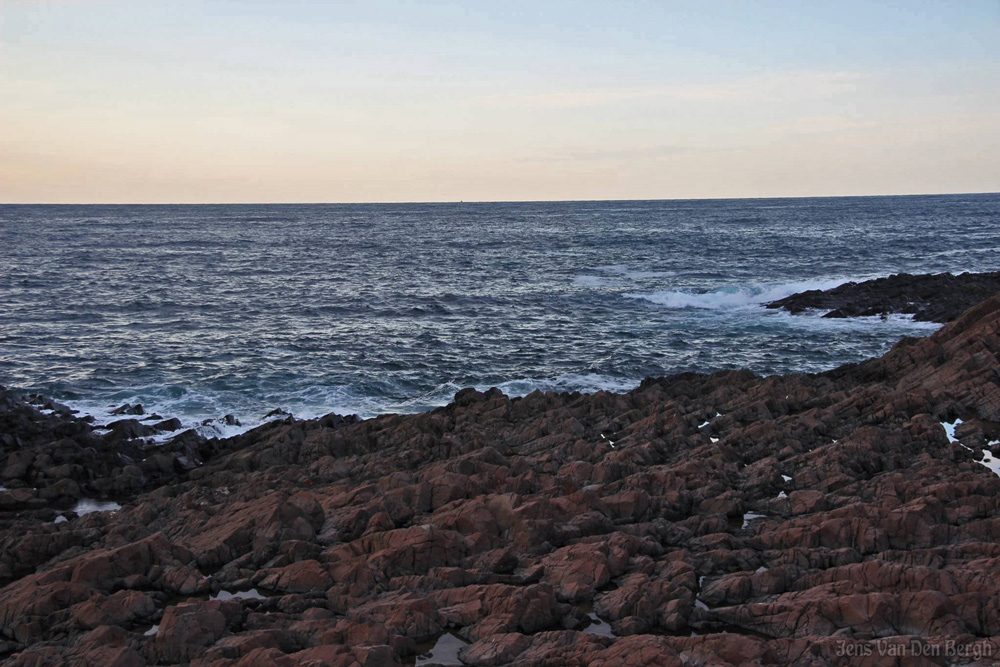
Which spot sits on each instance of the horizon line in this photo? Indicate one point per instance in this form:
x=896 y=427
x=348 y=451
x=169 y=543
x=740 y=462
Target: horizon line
x=495 y=201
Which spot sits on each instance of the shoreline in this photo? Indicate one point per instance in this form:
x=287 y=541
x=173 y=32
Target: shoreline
x=940 y=297
x=102 y=411
x=552 y=528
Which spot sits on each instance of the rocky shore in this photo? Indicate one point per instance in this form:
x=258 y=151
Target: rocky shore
x=940 y=297
x=723 y=519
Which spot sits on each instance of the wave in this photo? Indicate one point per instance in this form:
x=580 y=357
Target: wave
x=204 y=411
x=596 y=281
x=615 y=275
x=732 y=297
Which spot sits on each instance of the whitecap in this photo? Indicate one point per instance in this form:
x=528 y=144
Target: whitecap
x=732 y=297
x=595 y=281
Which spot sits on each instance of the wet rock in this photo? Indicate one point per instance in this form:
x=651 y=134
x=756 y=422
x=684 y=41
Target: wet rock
x=928 y=298
x=172 y=424
x=127 y=409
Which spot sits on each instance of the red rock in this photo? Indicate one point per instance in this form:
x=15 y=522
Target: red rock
x=186 y=630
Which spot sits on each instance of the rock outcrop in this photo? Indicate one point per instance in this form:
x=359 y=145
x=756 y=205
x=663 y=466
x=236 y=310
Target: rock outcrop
x=938 y=297
x=723 y=519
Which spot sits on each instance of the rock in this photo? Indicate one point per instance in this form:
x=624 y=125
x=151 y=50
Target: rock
x=812 y=513
x=126 y=409
x=929 y=298
x=186 y=630
x=172 y=424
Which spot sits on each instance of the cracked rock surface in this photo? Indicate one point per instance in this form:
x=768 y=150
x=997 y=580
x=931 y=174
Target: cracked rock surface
x=812 y=517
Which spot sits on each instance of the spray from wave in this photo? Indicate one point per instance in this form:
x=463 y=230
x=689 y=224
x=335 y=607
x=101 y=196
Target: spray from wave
x=203 y=411
x=732 y=297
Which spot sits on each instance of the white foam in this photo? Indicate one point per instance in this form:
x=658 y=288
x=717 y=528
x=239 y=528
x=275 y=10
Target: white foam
x=582 y=382
x=596 y=281
x=313 y=402
x=88 y=505
x=786 y=478
x=732 y=297
x=782 y=494
x=60 y=519
x=750 y=516
x=152 y=631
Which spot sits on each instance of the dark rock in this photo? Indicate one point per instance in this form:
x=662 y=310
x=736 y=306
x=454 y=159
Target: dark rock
x=127 y=409
x=929 y=298
x=168 y=425
x=130 y=429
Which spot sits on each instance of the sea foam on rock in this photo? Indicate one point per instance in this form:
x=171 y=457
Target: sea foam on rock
x=928 y=298
x=504 y=521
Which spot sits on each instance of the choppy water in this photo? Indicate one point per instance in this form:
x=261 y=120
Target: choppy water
x=199 y=311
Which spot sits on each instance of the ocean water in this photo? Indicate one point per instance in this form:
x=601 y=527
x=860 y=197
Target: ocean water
x=199 y=311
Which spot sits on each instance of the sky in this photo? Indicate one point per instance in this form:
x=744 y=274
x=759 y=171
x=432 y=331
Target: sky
x=204 y=101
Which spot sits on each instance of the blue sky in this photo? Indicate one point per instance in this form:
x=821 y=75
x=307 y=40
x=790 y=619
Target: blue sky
x=138 y=101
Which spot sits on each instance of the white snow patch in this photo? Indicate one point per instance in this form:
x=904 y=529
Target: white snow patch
x=598 y=627
x=444 y=652
x=251 y=594
x=750 y=516
x=88 y=505
x=991 y=461
x=949 y=429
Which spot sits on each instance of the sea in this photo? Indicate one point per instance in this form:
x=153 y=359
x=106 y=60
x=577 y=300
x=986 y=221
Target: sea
x=203 y=311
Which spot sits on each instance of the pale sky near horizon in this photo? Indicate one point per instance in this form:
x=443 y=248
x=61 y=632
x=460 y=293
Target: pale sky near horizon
x=107 y=101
